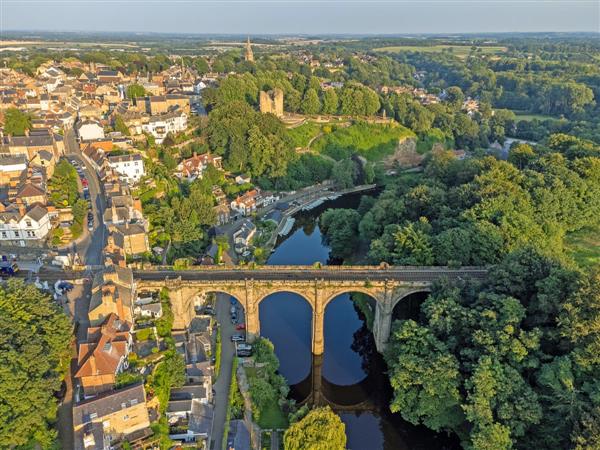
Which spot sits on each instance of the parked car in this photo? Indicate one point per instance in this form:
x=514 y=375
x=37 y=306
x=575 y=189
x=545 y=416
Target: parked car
x=241 y=326
x=9 y=269
x=237 y=338
x=234 y=319
x=65 y=286
x=84 y=182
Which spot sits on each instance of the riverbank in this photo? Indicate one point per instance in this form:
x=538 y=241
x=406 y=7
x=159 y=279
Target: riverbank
x=284 y=227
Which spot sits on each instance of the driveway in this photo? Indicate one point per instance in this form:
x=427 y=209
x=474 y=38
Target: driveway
x=221 y=386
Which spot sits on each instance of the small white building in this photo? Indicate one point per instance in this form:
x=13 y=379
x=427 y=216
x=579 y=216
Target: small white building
x=20 y=226
x=129 y=167
x=162 y=124
x=89 y=130
x=148 y=310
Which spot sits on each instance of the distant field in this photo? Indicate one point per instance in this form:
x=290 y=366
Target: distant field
x=584 y=246
x=528 y=116
x=459 y=50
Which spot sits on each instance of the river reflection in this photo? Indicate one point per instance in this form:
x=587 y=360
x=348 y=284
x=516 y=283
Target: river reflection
x=350 y=375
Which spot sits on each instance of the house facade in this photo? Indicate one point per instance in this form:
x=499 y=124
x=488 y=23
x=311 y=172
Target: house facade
x=21 y=226
x=161 y=125
x=129 y=167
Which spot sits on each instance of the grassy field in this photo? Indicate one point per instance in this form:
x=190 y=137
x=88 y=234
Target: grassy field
x=462 y=51
x=527 y=116
x=584 y=246
x=373 y=141
x=302 y=135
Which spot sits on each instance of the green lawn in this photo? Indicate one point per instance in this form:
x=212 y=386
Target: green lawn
x=302 y=134
x=462 y=51
x=527 y=116
x=373 y=141
x=272 y=417
x=584 y=246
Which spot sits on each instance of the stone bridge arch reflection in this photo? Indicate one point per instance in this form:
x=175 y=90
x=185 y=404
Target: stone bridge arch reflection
x=366 y=388
x=285 y=318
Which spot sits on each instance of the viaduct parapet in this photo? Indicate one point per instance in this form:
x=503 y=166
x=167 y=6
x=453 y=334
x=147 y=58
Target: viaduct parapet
x=318 y=286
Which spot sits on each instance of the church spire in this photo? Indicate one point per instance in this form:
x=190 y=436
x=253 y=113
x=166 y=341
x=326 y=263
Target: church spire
x=249 y=56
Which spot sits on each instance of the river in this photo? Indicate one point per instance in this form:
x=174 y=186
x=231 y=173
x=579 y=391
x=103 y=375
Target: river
x=353 y=374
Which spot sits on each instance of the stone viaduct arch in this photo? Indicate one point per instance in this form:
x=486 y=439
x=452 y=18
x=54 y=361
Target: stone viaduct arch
x=387 y=286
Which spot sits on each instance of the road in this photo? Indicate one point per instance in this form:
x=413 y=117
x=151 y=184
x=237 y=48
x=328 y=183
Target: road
x=221 y=386
x=78 y=304
x=308 y=273
x=90 y=248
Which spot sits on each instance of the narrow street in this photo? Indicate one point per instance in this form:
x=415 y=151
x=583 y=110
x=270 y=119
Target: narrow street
x=221 y=386
x=90 y=249
x=77 y=306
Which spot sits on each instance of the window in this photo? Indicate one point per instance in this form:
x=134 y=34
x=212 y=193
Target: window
x=17 y=234
x=28 y=223
x=4 y=235
x=30 y=233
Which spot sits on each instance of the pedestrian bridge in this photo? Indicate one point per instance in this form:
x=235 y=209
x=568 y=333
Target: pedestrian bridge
x=388 y=285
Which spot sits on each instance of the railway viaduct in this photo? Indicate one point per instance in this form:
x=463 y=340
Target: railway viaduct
x=388 y=285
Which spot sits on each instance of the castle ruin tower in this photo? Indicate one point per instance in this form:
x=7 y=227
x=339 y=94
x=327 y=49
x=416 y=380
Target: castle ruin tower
x=249 y=56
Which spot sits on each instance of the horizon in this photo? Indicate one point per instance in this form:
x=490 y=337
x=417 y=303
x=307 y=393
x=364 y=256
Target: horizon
x=294 y=17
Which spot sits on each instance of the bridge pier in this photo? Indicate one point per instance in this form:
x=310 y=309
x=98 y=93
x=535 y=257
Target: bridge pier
x=318 y=337
x=382 y=325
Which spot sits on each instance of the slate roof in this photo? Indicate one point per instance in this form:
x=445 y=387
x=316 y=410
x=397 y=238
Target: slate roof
x=108 y=403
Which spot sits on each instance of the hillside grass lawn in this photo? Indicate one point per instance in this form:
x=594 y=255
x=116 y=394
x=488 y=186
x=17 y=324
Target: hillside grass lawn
x=584 y=246
x=461 y=51
x=372 y=141
x=523 y=115
x=301 y=135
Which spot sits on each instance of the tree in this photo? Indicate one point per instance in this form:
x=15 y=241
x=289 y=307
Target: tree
x=340 y=227
x=344 y=173
x=201 y=65
x=120 y=125
x=62 y=186
x=425 y=377
x=34 y=348
x=135 y=90
x=520 y=155
x=310 y=103
x=320 y=429
x=16 y=122
x=330 y=102
x=455 y=97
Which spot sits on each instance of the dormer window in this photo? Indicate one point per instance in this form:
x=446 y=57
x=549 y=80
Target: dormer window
x=28 y=223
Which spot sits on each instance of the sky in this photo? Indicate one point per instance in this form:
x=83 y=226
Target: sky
x=301 y=16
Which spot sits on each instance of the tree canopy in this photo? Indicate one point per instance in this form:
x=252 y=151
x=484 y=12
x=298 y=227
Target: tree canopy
x=320 y=429
x=16 y=122
x=508 y=364
x=34 y=347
